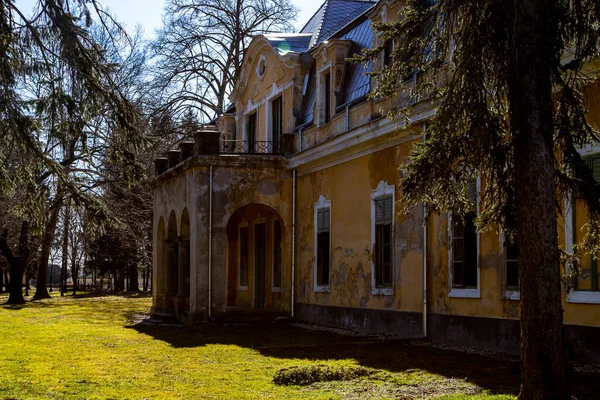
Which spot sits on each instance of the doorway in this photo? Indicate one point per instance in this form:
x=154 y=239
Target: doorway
x=260 y=251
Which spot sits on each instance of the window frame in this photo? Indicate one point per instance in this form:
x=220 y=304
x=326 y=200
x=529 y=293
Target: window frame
x=273 y=137
x=387 y=55
x=321 y=204
x=573 y=295
x=243 y=224
x=508 y=293
x=251 y=114
x=323 y=100
x=466 y=293
x=383 y=190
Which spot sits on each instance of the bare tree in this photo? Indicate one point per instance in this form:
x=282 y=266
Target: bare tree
x=199 y=51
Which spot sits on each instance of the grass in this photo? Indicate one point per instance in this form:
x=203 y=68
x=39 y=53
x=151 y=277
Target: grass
x=97 y=347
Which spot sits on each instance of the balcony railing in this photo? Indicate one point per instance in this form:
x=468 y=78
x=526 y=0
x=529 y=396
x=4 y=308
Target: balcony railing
x=249 y=147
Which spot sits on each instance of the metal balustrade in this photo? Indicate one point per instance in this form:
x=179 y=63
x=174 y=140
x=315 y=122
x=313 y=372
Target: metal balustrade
x=249 y=147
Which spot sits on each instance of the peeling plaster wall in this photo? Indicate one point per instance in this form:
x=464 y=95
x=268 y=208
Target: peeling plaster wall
x=349 y=187
x=247 y=180
x=492 y=304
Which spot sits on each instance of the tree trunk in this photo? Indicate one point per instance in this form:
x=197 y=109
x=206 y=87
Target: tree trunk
x=133 y=279
x=27 y=282
x=17 y=263
x=1 y=280
x=41 y=291
x=543 y=373
x=65 y=251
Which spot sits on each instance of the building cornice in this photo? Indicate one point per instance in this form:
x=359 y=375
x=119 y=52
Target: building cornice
x=351 y=144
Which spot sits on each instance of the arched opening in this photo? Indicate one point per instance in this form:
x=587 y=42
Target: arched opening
x=172 y=255
x=183 y=287
x=158 y=280
x=255 y=237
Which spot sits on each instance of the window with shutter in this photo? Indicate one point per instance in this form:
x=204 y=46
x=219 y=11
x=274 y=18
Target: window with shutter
x=588 y=277
x=464 y=245
x=327 y=102
x=511 y=250
x=276 y=121
x=251 y=134
x=384 y=208
x=323 y=246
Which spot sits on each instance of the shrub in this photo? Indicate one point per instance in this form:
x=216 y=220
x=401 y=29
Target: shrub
x=311 y=374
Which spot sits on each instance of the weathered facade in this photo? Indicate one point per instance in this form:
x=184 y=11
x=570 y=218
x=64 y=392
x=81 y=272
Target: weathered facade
x=290 y=203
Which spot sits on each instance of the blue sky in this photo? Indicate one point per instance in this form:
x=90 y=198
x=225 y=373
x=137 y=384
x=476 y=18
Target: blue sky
x=148 y=13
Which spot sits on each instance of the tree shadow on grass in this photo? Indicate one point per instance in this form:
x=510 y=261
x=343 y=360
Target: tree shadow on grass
x=281 y=340
x=48 y=303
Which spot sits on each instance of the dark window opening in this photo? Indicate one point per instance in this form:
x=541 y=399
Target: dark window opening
x=383 y=241
x=323 y=246
x=244 y=256
x=464 y=245
x=277 y=120
x=512 y=264
x=388 y=52
x=251 y=133
x=588 y=276
x=327 y=102
x=277 y=255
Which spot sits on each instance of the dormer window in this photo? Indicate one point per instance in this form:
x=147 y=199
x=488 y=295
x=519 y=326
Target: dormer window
x=388 y=53
x=327 y=103
x=324 y=98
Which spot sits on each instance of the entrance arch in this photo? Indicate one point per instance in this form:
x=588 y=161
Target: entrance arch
x=254 y=257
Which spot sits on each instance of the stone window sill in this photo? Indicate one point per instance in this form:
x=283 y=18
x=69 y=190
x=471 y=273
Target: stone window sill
x=388 y=291
x=460 y=293
x=512 y=295
x=583 y=297
x=322 y=289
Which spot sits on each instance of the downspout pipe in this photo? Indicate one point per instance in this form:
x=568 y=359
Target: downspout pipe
x=293 y=242
x=210 y=198
x=424 y=257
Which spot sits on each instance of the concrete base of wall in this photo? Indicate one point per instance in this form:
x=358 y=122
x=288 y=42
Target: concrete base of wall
x=386 y=322
x=484 y=333
x=495 y=334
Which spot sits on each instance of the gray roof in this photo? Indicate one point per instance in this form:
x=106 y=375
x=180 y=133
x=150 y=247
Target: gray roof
x=289 y=42
x=356 y=82
x=331 y=17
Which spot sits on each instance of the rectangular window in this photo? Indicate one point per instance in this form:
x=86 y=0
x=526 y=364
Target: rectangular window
x=251 y=134
x=588 y=277
x=277 y=254
x=327 y=93
x=511 y=250
x=388 y=52
x=384 y=208
x=276 y=121
x=464 y=245
x=323 y=246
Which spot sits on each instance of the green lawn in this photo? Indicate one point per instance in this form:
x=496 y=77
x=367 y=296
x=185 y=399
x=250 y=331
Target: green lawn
x=97 y=348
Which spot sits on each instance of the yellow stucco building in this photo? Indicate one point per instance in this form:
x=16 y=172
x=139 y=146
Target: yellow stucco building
x=289 y=203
